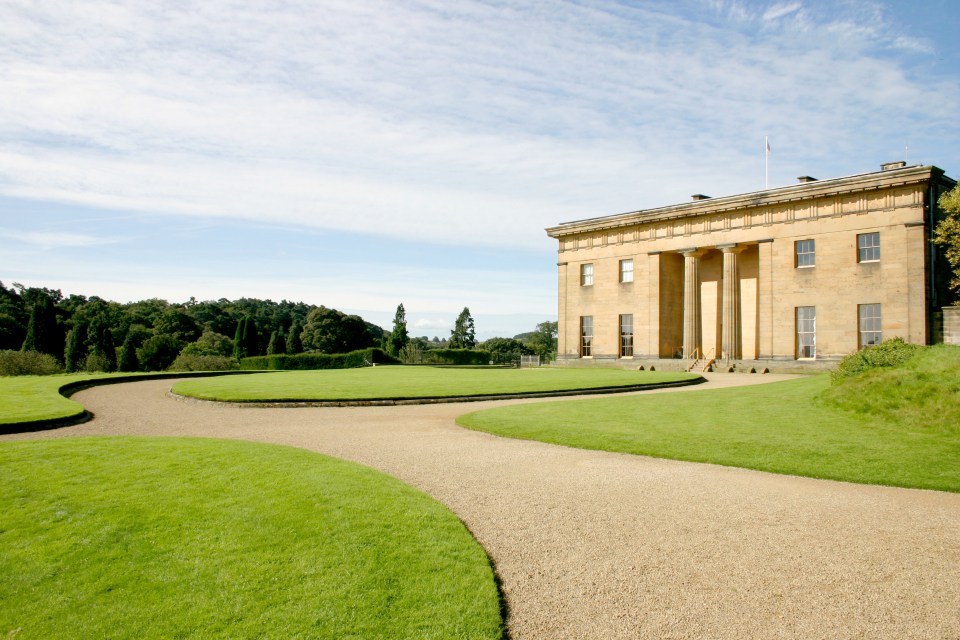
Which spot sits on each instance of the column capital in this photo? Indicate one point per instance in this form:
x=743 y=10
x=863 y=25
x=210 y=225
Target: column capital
x=692 y=252
x=732 y=248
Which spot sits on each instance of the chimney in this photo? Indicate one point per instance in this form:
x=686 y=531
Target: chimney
x=700 y=196
x=890 y=166
x=806 y=179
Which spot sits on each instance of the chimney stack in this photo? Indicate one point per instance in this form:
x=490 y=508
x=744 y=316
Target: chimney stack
x=890 y=166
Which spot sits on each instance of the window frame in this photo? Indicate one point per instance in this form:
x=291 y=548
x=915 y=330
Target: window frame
x=806 y=332
x=586 y=339
x=800 y=256
x=623 y=273
x=876 y=324
x=867 y=253
x=626 y=337
x=586 y=274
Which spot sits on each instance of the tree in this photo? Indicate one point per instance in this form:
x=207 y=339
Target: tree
x=128 y=360
x=506 y=346
x=210 y=343
x=158 y=352
x=277 y=344
x=543 y=340
x=251 y=338
x=463 y=335
x=399 y=337
x=239 y=349
x=947 y=235
x=76 y=346
x=43 y=333
x=332 y=331
x=294 y=343
x=177 y=323
x=102 y=354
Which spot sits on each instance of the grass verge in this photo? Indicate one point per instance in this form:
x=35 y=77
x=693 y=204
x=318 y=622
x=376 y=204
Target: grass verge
x=409 y=382
x=783 y=427
x=174 y=537
x=35 y=398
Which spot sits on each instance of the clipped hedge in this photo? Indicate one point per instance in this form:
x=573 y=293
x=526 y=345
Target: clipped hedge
x=889 y=353
x=457 y=356
x=309 y=361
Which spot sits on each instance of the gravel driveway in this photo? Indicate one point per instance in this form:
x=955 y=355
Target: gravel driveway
x=601 y=545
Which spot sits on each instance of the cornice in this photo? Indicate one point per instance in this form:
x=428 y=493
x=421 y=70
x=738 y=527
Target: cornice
x=782 y=195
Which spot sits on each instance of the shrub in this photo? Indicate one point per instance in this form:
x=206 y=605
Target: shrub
x=27 y=363
x=309 y=361
x=889 y=353
x=192 y=362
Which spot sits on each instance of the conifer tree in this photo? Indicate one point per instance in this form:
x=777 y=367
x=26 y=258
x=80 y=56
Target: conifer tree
x=399 y=337
x=43 y=334
x=251 y=339
x=463 y=335
x=128 y=354
x=76 y=346
x=239 y=349
x=101 y=343
x=294 y=341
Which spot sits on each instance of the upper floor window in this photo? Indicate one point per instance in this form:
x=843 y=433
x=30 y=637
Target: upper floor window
x=586 y=336
x=806 y=253
x=868 y=247
x=626 y=271
x=586 y=275
x=869 y=317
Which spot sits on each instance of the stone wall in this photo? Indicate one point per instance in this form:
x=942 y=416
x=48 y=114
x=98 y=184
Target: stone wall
x=951 y=325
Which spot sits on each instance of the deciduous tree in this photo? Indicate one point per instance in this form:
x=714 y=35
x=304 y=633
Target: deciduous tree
x=463 y=335
x=947 y=235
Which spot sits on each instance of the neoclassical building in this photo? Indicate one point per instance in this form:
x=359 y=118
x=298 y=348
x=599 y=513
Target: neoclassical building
x=807 y=272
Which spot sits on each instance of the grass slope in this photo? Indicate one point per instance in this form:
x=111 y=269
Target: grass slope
x=191 y=538
x=794 y=427
x=409 y=382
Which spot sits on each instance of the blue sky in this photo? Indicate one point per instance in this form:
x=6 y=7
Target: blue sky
x=359 y=154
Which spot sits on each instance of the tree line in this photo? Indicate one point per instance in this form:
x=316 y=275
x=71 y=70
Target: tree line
x=79 y=333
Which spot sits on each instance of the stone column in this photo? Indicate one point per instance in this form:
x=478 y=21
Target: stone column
x=691 y=301
x=730 y=318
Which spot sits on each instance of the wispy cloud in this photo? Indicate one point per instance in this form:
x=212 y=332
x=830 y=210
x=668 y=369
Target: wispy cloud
x=468 y=123
x=55 y=240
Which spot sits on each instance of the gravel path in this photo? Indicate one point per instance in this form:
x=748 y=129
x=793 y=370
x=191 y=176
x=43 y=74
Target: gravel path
x=600 y=545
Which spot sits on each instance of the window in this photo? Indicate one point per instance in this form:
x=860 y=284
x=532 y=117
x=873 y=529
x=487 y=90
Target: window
x=626 y=335
x=586 y=336
x=626 y=271
x=586 y=275
x=806 y=253
x=869 y=317
x=806 y=332
x=868 y=247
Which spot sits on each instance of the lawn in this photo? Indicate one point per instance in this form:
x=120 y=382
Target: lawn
x=793 y=427
x=194 y=538
x=410 y=382
x=31 y=398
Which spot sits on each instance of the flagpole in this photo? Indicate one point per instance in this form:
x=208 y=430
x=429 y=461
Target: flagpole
x=766 y=162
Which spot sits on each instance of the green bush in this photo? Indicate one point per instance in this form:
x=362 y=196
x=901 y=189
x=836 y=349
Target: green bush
x=889 y=353
x=192 y=362
x=27 y=363
x=310 y=361
x=457 y=356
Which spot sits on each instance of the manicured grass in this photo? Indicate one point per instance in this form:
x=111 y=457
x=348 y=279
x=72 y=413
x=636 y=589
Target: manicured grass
x=781 y=427
x=30 y=398
x=409 y=382
x=193 y=538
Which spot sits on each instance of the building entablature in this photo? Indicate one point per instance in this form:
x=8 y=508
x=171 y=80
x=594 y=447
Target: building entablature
x=837 y=196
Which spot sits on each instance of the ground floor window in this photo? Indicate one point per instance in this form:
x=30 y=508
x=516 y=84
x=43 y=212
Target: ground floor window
x=586 y=336
x=626 y=335
x=869 y=318
x=806 y=332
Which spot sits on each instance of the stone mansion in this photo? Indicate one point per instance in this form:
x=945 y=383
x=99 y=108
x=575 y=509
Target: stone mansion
x=803 y=273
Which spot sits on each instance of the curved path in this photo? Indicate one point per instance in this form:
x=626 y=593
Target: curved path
x=601 y=545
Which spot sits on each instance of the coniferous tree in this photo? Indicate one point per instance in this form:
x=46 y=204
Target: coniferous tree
x=251 y=339
x=43 y=334
x=76 y=346
x=128 y=354
x=399 y=337
x=294 y=341
x=463 y=335
x=239 y=349
x=272 y=344
x=280 y=345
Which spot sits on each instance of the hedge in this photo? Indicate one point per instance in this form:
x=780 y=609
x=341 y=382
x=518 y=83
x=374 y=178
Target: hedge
x=302 y=361
x=457 y=356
